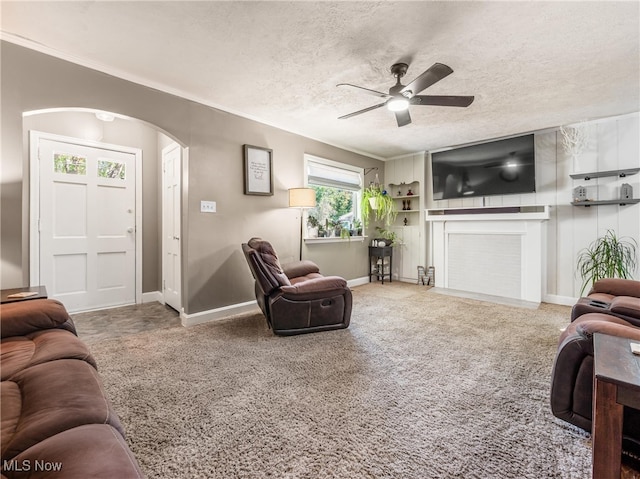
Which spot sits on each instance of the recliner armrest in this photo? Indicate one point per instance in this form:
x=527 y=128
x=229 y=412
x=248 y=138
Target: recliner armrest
x=300 y=268
x=626 y=305
x=326 y=283
x=611 y=326
x=617 y=287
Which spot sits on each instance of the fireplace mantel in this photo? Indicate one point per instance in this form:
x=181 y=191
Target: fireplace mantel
x=490 y=250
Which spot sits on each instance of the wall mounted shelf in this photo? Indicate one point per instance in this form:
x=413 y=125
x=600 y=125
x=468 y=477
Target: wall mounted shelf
x=601 y=174
x=620 y=202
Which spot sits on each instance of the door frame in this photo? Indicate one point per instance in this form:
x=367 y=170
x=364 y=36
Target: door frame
x=34 y=200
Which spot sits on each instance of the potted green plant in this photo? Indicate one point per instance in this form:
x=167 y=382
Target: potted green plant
x=357 y=227
x=378 y=204
x=607 y=257
x=390 y=237
x=312 y=226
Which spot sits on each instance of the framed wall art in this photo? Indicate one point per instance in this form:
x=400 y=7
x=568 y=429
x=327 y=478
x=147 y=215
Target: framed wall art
x=258 y=171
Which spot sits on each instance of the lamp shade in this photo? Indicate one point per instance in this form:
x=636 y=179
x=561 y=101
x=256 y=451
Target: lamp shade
x=302 y=198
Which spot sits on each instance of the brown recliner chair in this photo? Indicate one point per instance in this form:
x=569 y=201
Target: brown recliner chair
x=296 y=298
x=572 y=376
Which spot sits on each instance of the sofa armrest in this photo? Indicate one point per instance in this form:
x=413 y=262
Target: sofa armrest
x=300 y=268
x=589 y=327
x=617 y=287
x=24 y=317
x=325 y=283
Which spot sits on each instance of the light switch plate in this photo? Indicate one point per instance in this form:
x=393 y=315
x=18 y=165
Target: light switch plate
x=207 y=206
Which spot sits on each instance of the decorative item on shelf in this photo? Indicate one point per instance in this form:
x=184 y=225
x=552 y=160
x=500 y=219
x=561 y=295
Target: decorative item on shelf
x=607 y=257
x=399 y=192
x=313 y=226
x=389 y=238
x=405 y=221
x=626 y=191
x=408 y=204
x=357 y=227
x=375 y=199
x=580 y=193
x=575 y=140
x=409 y=193
x=404 y=205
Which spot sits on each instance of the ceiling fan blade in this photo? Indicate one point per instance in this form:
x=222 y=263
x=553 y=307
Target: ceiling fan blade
x=361 y=111
x=403 y=118
x=434 y=74
x=442 y=100
x=365 y=90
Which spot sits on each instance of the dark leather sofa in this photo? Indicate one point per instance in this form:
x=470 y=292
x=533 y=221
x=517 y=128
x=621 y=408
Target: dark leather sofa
x=56 y=418
x=572 y=374
x=296 y=298
x=614 y=296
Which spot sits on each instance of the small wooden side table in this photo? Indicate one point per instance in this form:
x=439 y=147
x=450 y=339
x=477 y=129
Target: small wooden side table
x=41 y=293
x=616 y=385
x=380 y=253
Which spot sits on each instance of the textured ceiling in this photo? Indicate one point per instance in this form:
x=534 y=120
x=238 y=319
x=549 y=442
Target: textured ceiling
x=530 y=65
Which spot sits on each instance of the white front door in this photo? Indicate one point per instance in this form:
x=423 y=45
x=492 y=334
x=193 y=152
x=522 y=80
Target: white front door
x=171 y=272
x=87 y=224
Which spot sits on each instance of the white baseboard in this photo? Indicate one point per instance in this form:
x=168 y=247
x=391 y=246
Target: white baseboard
x=152 y=296
x=218 y=313
x=562 y=300
x=357 y=281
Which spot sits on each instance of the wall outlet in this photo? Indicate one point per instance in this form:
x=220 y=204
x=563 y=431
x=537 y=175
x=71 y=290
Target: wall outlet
x=207 y=206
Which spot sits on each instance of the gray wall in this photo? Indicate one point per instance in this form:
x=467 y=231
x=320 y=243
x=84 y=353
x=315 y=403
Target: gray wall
x=214 y=269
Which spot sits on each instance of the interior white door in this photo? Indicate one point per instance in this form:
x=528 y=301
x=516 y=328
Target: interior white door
x=87 y=224
x=171 y=257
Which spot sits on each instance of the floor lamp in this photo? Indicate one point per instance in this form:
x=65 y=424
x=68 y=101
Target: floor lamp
x=302 y=198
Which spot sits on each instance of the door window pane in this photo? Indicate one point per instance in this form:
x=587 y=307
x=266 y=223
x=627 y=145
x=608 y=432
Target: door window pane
x=69 y=164
x=111 y=169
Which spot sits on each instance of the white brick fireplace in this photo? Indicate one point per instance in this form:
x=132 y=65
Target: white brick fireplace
x=495 y=251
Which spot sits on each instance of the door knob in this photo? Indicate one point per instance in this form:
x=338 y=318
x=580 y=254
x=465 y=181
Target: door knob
x=129 y=229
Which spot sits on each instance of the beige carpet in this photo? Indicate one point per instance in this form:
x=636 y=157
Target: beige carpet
x=420 y=386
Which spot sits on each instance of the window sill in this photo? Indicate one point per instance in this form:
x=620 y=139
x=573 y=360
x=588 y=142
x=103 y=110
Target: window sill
x=334 y=240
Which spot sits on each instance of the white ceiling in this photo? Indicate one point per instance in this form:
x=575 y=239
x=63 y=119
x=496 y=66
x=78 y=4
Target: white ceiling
x=530 y=65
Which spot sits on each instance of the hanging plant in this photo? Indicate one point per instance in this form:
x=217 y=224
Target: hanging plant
x=607 y=257
x=378 y=204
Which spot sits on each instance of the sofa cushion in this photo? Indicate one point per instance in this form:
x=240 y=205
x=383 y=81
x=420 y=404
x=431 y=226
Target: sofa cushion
x=20 y=352
x=54 y=397
x=24 y=317
x=93 y=450
x=626 y=305
x=270 y=259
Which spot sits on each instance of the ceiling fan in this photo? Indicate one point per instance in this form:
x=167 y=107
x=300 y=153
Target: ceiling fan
x=400 y=96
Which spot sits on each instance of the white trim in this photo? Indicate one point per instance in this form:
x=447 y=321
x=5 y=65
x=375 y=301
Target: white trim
x=23 y=42
x=152 y=296
x=34 y=200
x=358 y=239
x=352 y=283
x=218 y=313
x=562 y=300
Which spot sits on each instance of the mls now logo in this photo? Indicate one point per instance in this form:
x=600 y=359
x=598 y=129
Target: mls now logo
x=28 y=465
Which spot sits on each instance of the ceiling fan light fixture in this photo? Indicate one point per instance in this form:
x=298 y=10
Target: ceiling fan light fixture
x=398 y=104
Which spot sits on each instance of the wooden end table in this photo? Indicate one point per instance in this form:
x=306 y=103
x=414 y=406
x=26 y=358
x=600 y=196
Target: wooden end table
x=616 y=385
x=41 y=293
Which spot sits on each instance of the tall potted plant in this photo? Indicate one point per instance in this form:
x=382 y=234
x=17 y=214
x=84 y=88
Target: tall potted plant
x=607 y=257
x=377 y=203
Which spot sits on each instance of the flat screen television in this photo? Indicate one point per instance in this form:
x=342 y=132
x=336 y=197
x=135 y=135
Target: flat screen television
x=501 y=167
